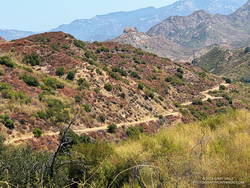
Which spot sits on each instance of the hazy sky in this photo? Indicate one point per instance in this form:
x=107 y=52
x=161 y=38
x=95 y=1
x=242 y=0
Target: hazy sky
x=40 y=15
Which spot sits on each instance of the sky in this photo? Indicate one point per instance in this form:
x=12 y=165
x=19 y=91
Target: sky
x=42 y=15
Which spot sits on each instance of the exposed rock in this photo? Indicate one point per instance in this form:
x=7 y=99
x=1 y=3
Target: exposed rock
x=130 y=29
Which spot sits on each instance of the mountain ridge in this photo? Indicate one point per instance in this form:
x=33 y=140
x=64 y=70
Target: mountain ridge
x=195 y=34
x=143 y=19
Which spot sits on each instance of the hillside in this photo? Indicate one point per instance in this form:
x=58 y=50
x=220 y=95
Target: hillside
x=180 y=155
x=46 y=77
x=109 y=26
x=233 y=64
x=194 y=34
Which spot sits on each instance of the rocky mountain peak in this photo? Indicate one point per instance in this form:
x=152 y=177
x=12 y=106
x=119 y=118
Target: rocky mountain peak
x=130 y=29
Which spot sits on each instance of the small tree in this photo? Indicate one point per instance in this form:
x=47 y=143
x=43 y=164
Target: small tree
x=112 y=128
x=37 y=132
x=70 y=76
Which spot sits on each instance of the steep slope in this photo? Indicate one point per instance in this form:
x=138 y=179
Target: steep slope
x=234 y=64
x=106 y=27
x=14 y=34
x=48 y=76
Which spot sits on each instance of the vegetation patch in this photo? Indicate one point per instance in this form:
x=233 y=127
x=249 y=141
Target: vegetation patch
x=7 y=61
x=32 y=59
x=6 y=121
x=30 y=80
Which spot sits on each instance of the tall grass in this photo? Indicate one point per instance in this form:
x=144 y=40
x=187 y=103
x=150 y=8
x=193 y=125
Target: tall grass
x=218 y=147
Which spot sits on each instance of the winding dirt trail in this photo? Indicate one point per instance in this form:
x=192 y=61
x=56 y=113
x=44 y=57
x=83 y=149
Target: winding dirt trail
x=18 y=139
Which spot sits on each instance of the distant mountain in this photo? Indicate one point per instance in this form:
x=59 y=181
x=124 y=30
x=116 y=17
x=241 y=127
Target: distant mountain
x=14 y=34
x=202 y=29
x=109 y=26
x=197 y=32
x=222 y=61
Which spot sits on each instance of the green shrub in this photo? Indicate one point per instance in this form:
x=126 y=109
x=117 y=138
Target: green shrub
x=83 y=84
x=70 y=75
x=78 y=98
x=169 y=79
x=56 y=111
x=228 y=80
x=102 y=49
x=114 y=75
x=42 y=115
x=122 y=95
x=134 y=131
x=60 y=71
x=197 y=102
x=222 y=87
x=79 y=44
x=30 y=80
x=220 y=103
x=65 y=46
x=53 y=83
x=98 y=71
x=7 y=61
x=112 y=128
x=135 y=75
x=141 y=86
x=228 y=98
x=5 y=119
x=102 y=118
x=32 y=59
x=198 y=114
x=37 y=132
x=137 y=60
x=180 y=70
x=87 y=107
x=108 y=87
x=179 y=75
x=175 y=80
x=119 y=70
x=247 y=50
x=5 y=86
x=149 y=93
x=202 y=74
x=89 y=54
x=1 y=72
x=28 y=69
